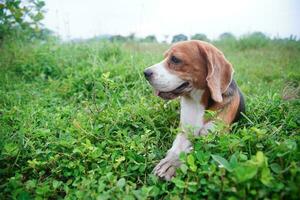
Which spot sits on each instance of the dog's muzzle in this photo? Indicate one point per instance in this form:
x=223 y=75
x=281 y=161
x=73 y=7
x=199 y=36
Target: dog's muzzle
x=182 y=89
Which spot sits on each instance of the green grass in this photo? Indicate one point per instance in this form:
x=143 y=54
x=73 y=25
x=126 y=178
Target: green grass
x=78 y=121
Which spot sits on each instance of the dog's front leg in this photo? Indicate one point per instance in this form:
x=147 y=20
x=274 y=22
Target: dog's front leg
x=166 y=168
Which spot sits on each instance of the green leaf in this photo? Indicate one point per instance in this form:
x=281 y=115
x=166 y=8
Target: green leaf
x=121 y=183
x=30 y=184
x=275 y=168
x=191 y=162
x=233 y=160
x=184 y=168
x=222 y=162
x=190 y=159
x=11 y=149
x=182 y=156
x=154 y=191
x=266 y=176
x=192 y=186
x=245 y=172
x=56 y=184
x=202 y=157
x=179 y=183
x=290 y=144
x=24 y=196
x=43 y=190
x=243 y=157
x=119 y=161
x=260 y=158
x=101 y=186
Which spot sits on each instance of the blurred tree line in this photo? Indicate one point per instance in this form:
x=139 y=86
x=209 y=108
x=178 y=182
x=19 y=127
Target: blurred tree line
x=22 y=19
x=175 y=38
x=132 y=37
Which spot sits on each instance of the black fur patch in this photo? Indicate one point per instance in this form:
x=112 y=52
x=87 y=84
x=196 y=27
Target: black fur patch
x=228 y=94
x=231 y=89
x=242 y=107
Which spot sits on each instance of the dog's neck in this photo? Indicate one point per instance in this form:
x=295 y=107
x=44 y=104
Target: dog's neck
x=192 y=112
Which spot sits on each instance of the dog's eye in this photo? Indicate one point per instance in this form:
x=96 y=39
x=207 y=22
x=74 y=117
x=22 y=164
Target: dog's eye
x=175 y=60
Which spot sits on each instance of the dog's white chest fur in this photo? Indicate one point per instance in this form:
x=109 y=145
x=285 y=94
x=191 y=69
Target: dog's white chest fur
x=191 y=119
x=192 y=112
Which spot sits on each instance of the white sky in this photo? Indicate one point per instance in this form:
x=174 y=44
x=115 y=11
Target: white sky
x=88 y=18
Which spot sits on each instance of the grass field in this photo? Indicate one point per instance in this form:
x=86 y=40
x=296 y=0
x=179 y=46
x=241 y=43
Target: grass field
x=78 y=121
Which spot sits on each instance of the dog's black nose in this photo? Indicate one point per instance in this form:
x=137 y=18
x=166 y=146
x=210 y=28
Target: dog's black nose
x=148 y=73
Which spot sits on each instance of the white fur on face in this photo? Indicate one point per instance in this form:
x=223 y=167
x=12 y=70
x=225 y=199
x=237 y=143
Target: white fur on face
x=162 y=79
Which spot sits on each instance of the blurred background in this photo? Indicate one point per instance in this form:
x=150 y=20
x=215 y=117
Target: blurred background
x=164 y=19
x=152 y=20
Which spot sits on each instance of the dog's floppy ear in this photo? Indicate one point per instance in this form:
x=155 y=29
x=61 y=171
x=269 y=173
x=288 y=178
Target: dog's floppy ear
x=219 y=71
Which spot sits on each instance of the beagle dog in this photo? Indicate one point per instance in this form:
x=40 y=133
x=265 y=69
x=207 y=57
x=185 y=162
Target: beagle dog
x=202 y=77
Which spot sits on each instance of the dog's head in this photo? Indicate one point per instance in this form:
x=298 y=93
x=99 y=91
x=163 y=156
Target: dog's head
x=190 y=65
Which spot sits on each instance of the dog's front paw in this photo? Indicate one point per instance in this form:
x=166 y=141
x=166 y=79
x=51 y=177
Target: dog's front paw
x=166 y=168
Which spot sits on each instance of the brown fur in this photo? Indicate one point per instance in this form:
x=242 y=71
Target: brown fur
x=228 y=108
